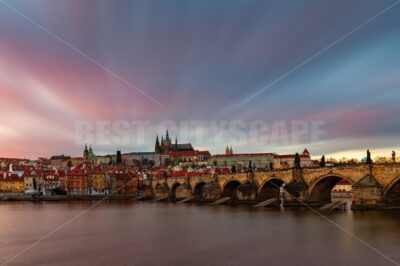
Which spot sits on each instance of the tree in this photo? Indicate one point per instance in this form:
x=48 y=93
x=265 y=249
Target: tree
x=167 y=161
x=354 y=161
x=151 y=163
x=34 y=183
x=322 y=162
x=59 y=191
x=145 y=163
x=137 y=163
x=382 y=159
x=331 y=160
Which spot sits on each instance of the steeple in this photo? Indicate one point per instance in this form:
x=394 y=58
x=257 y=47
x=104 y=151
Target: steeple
x=85 y=153
x=306 y=152
x=162 y=144
x=90 y=150
x=157 y=146
x=167 y=136
x=176 y=143
x=231 y=150
x=227 y=150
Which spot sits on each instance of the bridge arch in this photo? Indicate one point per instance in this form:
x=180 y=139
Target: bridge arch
x=320 y=190
x=172 y=191
x=392 y=192
x=270 y=188
x=198 y=189
x=229 y=189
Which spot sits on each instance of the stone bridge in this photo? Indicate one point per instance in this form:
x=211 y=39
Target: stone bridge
x=372 y=185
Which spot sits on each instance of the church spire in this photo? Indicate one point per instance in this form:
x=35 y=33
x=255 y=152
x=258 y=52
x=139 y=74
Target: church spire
x=176 y=143
x=85 y=153
x=157 y=146
x=162 y=144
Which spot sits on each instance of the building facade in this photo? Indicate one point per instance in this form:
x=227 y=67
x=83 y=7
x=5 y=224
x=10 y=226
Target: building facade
x=258 y=160
x=12 y=183
x=288 y=160
x=76 y=182
x=97 y=181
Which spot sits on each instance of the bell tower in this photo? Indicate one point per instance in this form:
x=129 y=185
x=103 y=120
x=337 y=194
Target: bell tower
x=167 y=143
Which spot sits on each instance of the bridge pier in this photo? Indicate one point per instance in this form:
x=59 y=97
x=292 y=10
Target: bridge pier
x=161 y=191
x=247 y=192
x=182 y=192
x=367 y=193
x=211 y=191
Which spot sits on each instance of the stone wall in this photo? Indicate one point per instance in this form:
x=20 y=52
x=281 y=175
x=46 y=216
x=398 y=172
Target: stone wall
x=386 y=175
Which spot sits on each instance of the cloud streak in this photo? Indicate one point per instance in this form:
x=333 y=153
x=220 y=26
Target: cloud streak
x=198 y=59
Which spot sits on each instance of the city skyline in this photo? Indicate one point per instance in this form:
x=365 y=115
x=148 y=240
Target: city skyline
x=198 y=61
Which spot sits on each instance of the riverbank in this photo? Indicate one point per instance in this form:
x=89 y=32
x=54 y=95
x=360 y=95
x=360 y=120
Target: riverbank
x=69 y=198
x=72 y=198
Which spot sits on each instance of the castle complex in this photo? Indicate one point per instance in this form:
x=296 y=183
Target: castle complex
x=166 y=145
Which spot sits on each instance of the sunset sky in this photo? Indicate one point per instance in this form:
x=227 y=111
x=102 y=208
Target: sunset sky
x=71 y=60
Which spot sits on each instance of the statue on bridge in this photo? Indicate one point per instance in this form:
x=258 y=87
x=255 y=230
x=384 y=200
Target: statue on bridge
x=322 y=162
x=369 y=160
x=297 y=161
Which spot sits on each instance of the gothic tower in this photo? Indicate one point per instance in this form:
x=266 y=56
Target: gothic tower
x=157 y=146
x=85 y=153
x=167 y=143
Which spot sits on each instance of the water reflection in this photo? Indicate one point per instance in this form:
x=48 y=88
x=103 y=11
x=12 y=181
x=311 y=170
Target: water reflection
x=179 y=234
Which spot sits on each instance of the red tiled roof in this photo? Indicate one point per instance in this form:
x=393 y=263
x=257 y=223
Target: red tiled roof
x=11 y=177
x=14 y=159
x=188 y=153
x=76 y=172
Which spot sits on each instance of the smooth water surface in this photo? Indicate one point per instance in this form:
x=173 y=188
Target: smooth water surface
x=133 y=233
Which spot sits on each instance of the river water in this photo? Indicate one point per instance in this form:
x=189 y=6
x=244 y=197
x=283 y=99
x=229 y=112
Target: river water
x=132 y=233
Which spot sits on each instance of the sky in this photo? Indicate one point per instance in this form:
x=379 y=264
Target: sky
x=109 y=65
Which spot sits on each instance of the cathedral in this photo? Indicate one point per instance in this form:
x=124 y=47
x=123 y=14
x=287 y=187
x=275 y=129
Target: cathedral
x=166 y=145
